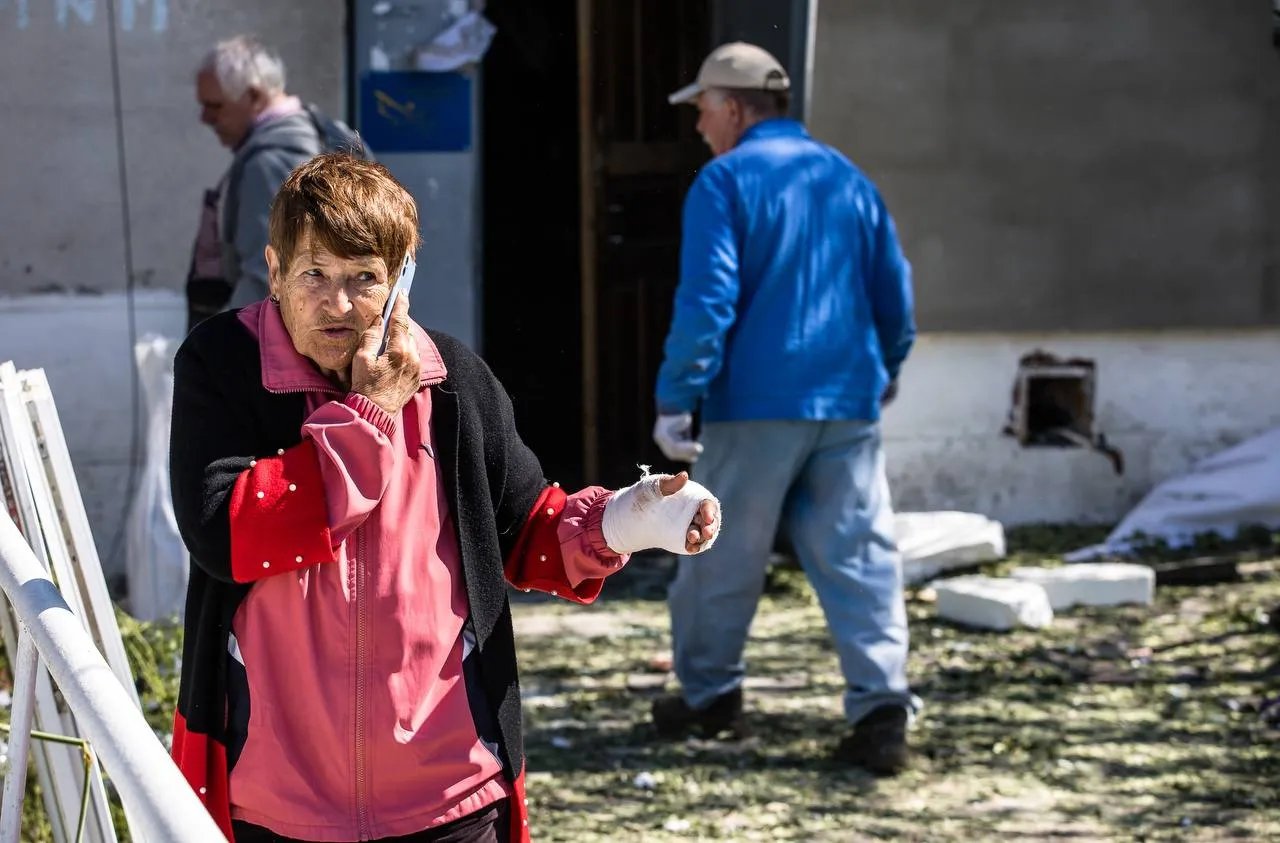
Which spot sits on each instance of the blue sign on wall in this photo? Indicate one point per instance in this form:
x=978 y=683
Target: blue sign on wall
x=415 y=111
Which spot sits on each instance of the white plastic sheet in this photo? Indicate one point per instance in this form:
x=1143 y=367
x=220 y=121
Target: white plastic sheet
x=155 y=558
x=463 y=43
x=934 y=542
x=1235 y=488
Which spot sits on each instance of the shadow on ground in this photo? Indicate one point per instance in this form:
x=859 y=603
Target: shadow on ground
x=1133 y=723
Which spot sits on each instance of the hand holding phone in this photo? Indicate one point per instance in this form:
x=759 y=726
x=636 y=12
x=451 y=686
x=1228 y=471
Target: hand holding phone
x=403 y=283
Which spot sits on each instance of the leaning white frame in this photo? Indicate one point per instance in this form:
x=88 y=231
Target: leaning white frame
x=99 y=616
x=54 y=769
x=61 y=778
x=99 y=612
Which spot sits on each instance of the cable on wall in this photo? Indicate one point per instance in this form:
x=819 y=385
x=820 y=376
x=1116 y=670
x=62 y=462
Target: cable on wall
x=135 y=444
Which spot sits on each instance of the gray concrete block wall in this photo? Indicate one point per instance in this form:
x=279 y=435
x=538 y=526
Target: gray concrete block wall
x=60 y=221
x=1066 y=165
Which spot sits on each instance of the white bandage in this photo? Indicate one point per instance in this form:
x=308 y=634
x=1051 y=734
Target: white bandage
x=640 y=517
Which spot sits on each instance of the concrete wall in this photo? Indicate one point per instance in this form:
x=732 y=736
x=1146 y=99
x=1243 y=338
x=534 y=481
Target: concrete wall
x=1165 y=399
x=62 y=267
x=1066 y=164
x=60 y=218
x=1080 y=176
x=60 y=211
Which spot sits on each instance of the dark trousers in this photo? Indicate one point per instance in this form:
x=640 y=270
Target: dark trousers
x=488 y=825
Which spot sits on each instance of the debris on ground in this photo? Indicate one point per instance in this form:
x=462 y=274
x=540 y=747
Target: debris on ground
x=932 y=543
x=1064 y=732
x=993 y=602
x=1092 y=584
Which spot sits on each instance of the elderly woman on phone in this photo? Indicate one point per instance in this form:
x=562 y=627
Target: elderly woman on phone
x=353 y=518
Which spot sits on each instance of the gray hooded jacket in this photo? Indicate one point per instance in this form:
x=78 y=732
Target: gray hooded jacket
x=261 y=164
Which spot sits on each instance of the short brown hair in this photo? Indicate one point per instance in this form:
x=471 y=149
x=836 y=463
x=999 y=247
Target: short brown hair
x=351 y=206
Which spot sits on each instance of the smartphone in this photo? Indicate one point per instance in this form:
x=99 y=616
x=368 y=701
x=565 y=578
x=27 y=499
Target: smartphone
x=401 y=287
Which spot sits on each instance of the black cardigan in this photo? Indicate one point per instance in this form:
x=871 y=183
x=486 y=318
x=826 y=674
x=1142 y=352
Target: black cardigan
x=223 y=417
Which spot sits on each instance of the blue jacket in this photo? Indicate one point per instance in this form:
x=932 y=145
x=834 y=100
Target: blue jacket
x=794 y=299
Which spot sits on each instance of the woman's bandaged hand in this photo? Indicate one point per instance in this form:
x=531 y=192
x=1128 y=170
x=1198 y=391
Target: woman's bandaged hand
x=662 y=510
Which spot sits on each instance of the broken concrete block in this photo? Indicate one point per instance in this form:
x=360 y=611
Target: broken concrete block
x=1093 y=584
x=991 y=603
x=932 y=543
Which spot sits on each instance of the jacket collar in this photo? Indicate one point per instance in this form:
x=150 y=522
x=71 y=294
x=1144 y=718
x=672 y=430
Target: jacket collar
x=281 y=128
x=285 y=370
x=285 y=107
x=774 y=127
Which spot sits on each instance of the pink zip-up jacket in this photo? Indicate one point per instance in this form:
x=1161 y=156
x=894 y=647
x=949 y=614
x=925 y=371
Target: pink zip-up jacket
x=352 y=691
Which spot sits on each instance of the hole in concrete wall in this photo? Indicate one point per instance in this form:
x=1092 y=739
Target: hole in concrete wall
x=1053 y=405
x=1053 y=401
x=1059 y=405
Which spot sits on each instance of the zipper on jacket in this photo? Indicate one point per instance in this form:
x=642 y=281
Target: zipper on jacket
x=295 y=390
x=362 y=748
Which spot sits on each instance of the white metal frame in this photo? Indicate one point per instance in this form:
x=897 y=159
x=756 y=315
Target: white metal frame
x=96 y=609
x=60 y=777
x=43 y=505
x=161 y=805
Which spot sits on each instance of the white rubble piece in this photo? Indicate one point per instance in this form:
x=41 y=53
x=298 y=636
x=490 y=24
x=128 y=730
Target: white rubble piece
x=1093 y=584
x=993 y=603
x=932 y=543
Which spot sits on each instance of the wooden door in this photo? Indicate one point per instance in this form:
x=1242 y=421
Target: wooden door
x=638 y=155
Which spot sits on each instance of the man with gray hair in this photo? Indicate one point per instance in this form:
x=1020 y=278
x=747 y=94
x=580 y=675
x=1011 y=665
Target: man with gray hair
x=240 y=86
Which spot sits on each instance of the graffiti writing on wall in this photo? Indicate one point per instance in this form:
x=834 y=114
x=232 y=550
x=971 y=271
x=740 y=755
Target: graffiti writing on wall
x=67 y=12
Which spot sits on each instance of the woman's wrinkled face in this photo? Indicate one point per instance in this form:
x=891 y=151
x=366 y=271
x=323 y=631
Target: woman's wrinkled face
x=328 y=302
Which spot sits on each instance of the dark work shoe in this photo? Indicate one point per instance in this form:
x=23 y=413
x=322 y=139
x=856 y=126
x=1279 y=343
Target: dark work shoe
x=673 y=717
x=878 y=742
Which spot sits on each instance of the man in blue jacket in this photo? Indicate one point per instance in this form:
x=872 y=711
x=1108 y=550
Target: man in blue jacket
x=792 y=319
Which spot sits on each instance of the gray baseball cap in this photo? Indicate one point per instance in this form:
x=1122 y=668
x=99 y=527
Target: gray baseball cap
x=736 y=65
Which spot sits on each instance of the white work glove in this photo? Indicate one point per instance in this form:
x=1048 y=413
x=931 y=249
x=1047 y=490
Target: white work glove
x=673 y=513
x=674 y=436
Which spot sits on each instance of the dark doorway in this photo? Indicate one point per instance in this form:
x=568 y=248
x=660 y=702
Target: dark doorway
x=530 y=225
x=581 y=235
x=639 y=158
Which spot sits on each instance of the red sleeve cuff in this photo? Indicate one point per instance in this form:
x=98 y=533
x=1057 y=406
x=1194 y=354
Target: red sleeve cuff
x=371 y=413
x=279 y=521
x=537 y=560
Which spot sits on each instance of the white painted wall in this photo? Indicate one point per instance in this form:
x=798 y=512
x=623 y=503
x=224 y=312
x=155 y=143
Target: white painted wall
x=82 y=343
x=1165 y=399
